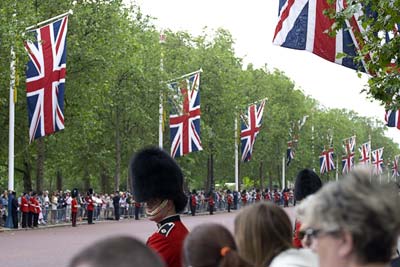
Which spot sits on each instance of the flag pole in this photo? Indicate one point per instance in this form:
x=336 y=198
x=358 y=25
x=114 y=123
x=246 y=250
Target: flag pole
x=11 y=123
x=283 y=173
x=70 y=12
x=161 y=107
x=337 y=168
x=236 y=155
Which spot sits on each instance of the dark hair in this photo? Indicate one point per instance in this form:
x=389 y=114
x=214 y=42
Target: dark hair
x=203 y=246
x=307 y=183
x=120 y=251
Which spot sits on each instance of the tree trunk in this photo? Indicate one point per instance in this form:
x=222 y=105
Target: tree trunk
x=59 y=182
x=86 y=179
x=27 y=179
x=104 y=180
x=261 y=176
x=117 y=154
x=40 y=165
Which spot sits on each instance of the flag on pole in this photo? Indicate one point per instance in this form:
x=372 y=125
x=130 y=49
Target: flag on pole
x=184 y=119
x=289 y=153
x=302 y=121
x=395 y=168
x=377 y=160
x=348 y=159
x=326 y=161
x=303 y=26
x=349 y=144
x=250 y=127
x=365 y=150
x=392 y=118
x=45 y=78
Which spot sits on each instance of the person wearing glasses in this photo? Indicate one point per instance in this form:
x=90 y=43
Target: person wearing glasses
x=263 y=234
x=353 y=222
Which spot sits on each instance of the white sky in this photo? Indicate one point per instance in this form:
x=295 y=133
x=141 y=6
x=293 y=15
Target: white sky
x=252 y=24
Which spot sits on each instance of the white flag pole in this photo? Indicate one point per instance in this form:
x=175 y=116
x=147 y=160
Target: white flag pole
x=283 y=173
x=236 y=155
x=70 y=12
x=161 y=107
x=11 y=123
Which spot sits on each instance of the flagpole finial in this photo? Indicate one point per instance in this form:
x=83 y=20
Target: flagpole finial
x=71 y=12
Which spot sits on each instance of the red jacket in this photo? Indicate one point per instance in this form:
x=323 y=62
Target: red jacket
x=24 y=205
x=168 y=241
x=90 y=204
x=296 y=239
x=74 y=206
x=229 y=199
x=34 y=205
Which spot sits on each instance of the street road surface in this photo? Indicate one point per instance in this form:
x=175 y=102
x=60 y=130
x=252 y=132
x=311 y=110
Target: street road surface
x=56 y=246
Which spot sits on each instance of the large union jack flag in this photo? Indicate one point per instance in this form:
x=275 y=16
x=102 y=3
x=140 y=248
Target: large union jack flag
x=250 y=127
x=184 y=120
x=392 y=118
x=326 y=161
x=303 y=26
x=395 y=168
x=45 y=79
x=365 y=151
x=377 y=160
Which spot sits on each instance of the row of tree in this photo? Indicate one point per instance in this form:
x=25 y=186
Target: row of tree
x=112 y=96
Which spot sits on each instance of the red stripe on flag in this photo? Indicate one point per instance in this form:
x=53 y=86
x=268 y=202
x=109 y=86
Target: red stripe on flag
x=324 y=45
x=283 y=17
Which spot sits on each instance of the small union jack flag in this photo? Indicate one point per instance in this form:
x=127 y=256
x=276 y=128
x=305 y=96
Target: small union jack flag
x=365 y=150
x=326 y=161
x=377 y=160
x=45 y=79
x=184 y=120
x=250 y=127
x=392 y=118
x=347 y=163
x=349 y=144
x=395 y=168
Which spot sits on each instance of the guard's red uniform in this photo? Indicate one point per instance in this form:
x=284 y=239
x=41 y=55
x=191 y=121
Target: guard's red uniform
x=168 y=240
x=296 y=239
x=24 y=205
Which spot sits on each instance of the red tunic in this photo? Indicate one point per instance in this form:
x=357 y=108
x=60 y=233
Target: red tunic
x=24 y=205
x=230 y=199
x=296 y=239
x=34 y=205
x=74 y=206
x=168 y=240
x=90 y=204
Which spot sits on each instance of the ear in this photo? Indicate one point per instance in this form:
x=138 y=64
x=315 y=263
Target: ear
x=346 y=246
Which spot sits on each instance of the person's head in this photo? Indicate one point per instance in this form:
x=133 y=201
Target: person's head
x=211 y=245
x=262 y=231
x=353 y=221
x=157 y=180
x=120 y=251
x=307 y=183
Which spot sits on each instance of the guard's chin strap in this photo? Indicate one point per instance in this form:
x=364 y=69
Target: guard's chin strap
x=158 y=209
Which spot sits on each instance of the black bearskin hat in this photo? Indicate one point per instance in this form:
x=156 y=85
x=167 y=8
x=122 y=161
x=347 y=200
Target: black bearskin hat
x=307 y=183
x=155 y=174
x=90 y=191
x=74 y=192
x=228 y=191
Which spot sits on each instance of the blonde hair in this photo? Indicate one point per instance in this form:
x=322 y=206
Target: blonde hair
x=262 y=231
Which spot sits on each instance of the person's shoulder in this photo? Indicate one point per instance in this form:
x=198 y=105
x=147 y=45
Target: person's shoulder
x=295 y=258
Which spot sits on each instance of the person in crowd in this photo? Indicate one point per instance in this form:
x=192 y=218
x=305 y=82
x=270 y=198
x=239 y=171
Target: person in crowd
x=211 y=245
x=54 y=204
x=307 y=183
x=258 y=196
x=137 y=210
x=74 y=206
x=243 y=197
x=120 y=251
x=263 y=234
x=89 y=206
x=235 y=199
x=158 y=180
x=193 y=202
x=229 y=199
x=116 y=200
x=45 y=206
x=354 y=221
x=211 y=202
x=24 y=208
x=14 y=209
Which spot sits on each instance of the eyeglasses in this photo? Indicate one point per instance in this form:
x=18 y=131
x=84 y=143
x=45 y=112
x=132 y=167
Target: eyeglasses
x=314 y=233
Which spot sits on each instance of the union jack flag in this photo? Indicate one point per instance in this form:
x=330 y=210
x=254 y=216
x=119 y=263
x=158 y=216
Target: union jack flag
x=377 y=160
x=250 y=127
x=349 y=144
x=395 y=168
x=365 y=150
x=347 y=163
x=326 y=161
x=184 y=120
x=290 y=153
x=392 y=118
x=303 y=26
x=45 y=79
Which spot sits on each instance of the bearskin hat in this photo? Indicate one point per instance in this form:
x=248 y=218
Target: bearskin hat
x=90 y=191
x=74 y=192
x=155 y=174
x=307 y=183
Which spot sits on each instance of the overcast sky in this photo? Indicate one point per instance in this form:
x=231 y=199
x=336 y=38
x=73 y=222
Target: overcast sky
x=252 y=24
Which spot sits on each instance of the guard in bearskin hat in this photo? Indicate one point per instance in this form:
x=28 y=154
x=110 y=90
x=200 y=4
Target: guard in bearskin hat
x=74 y=206
x=89 y=205
x=158 y=181
x=307 y=183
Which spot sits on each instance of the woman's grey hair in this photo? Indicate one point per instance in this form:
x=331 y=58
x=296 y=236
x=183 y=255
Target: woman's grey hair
x=361 y=206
